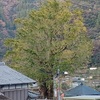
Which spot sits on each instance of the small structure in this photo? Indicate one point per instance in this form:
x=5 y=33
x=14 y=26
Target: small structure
x=77 y=81
x=33 y=95
x=82 y=92
x=13 y=84
x=2 y=97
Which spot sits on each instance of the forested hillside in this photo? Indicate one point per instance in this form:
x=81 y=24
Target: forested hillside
x=11 y=9
x=91 y=14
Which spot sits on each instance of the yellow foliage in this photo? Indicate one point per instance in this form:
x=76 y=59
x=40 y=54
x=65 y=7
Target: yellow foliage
x=67 y=54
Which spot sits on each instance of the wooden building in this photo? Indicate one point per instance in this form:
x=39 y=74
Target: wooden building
x=14 y=85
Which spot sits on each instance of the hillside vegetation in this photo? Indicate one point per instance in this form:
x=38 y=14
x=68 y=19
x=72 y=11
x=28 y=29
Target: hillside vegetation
x=91 y=14
x=10 y=10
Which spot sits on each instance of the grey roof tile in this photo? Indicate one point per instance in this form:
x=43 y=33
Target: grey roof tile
x=10 y=76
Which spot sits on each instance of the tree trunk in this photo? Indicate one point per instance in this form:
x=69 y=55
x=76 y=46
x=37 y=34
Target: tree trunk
x=45 y=92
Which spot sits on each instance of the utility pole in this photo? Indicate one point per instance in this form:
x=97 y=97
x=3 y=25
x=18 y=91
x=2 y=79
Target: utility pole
x=59 y=89
x=58 y=72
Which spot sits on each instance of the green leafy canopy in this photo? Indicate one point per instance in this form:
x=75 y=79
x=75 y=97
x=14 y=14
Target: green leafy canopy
x=52 y=36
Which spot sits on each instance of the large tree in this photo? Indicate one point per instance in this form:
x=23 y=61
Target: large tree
x=52 y=36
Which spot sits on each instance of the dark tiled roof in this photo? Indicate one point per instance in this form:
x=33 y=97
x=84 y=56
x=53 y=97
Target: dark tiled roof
x=81 y=90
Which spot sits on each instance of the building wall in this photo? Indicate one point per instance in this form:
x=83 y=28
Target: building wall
x=16 y=94
x=3 y=99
